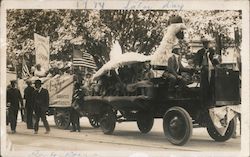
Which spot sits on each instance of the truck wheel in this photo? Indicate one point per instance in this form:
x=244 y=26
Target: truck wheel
x=94 y=121
x=144 y=122
x=108 y=122
x=214 y=134
x=177 y=126
x=62 y=118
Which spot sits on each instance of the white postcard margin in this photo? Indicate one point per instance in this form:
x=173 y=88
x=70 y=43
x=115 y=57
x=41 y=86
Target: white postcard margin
x=131 y=5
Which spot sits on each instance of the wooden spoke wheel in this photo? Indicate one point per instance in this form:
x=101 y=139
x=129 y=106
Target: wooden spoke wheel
x=62 y=118
x=145 y=122
x=214 y=134
x=177 y=126
x=108 y=122
x=94 y=121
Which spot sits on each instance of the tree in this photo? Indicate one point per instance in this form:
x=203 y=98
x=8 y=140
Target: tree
x=94 y=31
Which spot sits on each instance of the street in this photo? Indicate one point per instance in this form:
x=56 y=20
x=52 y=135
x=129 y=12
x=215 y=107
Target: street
x=126 y=137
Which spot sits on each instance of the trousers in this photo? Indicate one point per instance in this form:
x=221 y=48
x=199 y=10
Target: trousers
x=207 y=87
x=41 y=113
x=74 y=119
x=29 y=112
x=13 y=118
x=175 y=81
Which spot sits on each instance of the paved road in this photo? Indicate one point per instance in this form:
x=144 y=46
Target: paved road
x=125 y=138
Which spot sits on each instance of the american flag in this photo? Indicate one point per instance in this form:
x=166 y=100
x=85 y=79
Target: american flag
x=25 y=70
x=83 y=59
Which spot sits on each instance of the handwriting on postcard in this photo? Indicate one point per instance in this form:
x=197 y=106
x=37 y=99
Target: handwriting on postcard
x=131 y=5
x=61 y=154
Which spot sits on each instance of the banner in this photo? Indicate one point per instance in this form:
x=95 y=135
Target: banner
x=42 y=51
x=60 y=91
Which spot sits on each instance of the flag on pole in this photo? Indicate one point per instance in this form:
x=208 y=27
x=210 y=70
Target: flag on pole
x=25 y=70
x=83 y=59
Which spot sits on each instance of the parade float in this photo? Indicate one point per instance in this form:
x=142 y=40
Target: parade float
x=114 y=98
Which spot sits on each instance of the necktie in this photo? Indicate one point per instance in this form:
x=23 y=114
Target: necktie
x=177 y=63
x=205 y=58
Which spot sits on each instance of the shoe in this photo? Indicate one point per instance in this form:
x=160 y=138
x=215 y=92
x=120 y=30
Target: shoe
x=35 y=132
x=78 y=130
x=13 y=131
x=47 y=132
x=72 y=130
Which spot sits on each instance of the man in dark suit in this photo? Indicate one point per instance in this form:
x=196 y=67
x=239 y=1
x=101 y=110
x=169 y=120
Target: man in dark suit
x=174 y=70
x=75 y=109
x=13 y=99
x=28 y=96
x=205 y=55
x=204 y=60
x=41 y=104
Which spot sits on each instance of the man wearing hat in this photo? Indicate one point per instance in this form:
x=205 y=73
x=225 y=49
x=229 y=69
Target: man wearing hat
x=205 y=62
x=175 y=68
x=28 y=96
x=41 y=104
x=76 y=105
x=13 y=99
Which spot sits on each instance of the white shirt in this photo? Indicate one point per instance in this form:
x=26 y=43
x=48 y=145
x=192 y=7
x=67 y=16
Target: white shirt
x=40 y=73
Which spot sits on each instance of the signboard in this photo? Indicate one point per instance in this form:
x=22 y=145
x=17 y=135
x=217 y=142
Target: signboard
x=42 y=51
x=60 y=91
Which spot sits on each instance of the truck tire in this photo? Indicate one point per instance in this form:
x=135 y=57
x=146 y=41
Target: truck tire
x=108 y=122
x=94 y=121
x=177 y=126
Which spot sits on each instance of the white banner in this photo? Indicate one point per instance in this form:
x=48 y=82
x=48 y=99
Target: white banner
x=60 y=91
x=42 y=51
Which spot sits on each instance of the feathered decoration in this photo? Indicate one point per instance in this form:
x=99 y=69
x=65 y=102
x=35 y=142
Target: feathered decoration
x=163 y=52
x=123 y=59
x=116 y=51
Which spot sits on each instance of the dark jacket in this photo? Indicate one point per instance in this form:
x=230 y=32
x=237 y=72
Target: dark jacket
x=78 y=95
x=28 y=95
x=199 y=56
x=173 y=64
x=14 y=98
x=41 y=99
x=78 y=99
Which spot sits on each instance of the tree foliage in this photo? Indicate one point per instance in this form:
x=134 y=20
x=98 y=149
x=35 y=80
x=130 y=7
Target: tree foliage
x=94 y=30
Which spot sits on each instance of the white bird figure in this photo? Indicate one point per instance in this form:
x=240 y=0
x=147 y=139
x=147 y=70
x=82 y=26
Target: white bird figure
x=116 y=51
x=163 y=52
x=118 y=59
